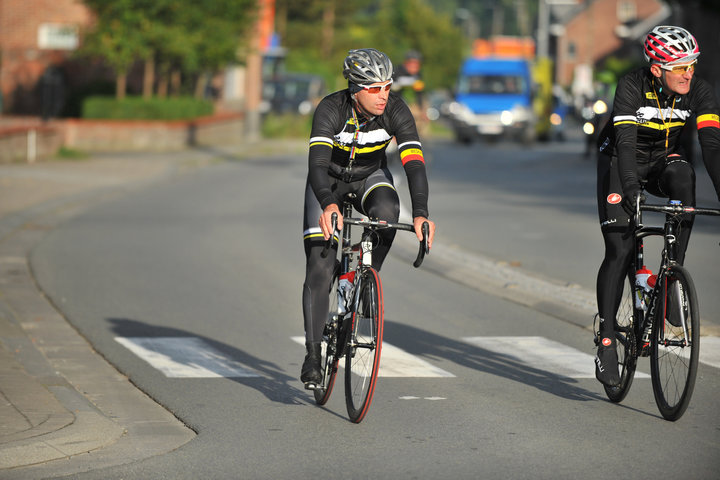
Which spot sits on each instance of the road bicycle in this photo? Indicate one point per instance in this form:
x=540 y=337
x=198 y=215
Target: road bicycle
x=660 y=319
x=354 y=327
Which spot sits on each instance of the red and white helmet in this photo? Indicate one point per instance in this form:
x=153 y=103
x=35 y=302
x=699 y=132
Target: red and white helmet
x=670 y=45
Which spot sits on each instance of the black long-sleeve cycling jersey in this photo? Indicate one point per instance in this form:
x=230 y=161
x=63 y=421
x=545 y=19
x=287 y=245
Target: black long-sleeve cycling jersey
x=335 y=135
x=643 y=113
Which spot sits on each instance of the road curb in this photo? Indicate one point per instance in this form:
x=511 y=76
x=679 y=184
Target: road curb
x=75 y=405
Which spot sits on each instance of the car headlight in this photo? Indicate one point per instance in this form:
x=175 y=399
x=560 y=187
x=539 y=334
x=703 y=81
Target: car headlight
x=506 y=118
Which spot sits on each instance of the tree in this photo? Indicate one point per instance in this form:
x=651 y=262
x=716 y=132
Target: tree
x=197 y=38
x=116 y=37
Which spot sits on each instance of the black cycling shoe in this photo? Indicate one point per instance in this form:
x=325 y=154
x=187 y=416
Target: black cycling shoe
x=311 y=374
x=606 y=363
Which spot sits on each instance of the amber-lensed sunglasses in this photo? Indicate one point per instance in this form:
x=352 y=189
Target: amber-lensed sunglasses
x=680 y=68
x=376 y=89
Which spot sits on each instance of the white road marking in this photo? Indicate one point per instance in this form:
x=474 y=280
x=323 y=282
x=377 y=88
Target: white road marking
x=395 y=362
x=185 y=357
x=710 y=351
x=543 y=354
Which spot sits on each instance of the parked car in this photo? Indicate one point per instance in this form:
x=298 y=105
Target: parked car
x=297 y=93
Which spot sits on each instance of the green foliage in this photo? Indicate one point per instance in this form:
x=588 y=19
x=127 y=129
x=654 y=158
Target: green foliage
x=153 y=109
x=192 y=36
x=413 y=25
x=286 y=126
x=67 y=153
x=391 y=26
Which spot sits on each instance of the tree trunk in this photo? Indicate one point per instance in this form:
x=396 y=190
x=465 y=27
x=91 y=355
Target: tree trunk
x=120 y=85
x=328 y=28
x=163 y=80
x=175 y=83
x=200 y=85
x=149 y=77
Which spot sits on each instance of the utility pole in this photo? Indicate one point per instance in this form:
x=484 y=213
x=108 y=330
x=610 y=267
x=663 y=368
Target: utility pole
x=253 y=78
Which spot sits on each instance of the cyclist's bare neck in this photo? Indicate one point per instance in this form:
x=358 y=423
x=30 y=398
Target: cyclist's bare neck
x=361 y=112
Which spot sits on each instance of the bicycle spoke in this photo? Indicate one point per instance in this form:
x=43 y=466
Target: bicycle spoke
x=675 y=344
x=363 y=354
x=626 y=319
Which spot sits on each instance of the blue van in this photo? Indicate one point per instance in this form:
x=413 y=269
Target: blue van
x=494 y=98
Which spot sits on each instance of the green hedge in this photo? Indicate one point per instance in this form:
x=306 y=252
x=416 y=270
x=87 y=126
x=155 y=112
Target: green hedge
x=137 y=108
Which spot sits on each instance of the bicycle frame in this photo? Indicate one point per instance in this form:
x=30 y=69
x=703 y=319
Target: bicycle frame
x=355 y=331
x=643 y=328
x=669 y=258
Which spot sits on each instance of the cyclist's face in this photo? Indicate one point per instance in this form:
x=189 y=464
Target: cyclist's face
x=374 y=103
x=676 y=82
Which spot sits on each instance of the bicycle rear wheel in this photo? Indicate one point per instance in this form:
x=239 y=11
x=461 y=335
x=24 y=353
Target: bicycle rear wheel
x=364 y=345
x=676 y=343
x=627 y=318
x=329 y=358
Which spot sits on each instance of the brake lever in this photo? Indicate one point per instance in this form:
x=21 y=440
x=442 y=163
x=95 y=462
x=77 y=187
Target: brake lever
x=329 y=242
x=424 y=245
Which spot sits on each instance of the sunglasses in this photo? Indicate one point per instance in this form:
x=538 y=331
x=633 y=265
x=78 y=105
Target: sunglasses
x=376 y=89
x=680 y=68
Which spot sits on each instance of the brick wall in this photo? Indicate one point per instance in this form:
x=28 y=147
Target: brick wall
x=593 y=34
x=23 y=61
x=115 y=135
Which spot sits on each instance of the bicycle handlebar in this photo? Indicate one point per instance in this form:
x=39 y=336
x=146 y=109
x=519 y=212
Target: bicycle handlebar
x=422 y=250
x=678 y=209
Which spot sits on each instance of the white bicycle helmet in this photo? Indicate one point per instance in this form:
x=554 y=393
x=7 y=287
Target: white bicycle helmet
x=367 y=65
x=670 y=45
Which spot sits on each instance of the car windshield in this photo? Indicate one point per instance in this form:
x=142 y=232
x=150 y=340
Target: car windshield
x=493 y=84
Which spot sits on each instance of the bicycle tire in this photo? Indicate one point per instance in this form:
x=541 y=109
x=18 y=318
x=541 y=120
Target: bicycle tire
x=627 y=318
x=675 y=352
x=329 y=357
x=362 y=355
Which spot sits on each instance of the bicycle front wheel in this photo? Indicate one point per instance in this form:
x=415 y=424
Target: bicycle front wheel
x=364 y=345
x=329 y=358
x=676 y=343
x=627 y=318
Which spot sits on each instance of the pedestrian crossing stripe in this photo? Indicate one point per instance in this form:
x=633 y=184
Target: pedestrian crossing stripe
x=193 y=357
x=710 y=351
x=395 y=362
x=543 y=354
x=185 y=357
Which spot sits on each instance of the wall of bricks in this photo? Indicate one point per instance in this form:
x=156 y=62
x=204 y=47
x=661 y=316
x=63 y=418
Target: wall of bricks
x=23 y=61
x=109 y=135
x=593 y=34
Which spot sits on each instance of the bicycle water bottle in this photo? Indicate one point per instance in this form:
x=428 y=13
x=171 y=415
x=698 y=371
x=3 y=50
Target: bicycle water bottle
x=642 y=287
x=345 y=286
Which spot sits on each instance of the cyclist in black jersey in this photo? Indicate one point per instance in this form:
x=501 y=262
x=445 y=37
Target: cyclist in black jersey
x=351 y=130
x=639 y=149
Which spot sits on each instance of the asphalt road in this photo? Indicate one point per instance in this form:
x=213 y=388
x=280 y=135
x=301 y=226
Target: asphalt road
x=191 y=287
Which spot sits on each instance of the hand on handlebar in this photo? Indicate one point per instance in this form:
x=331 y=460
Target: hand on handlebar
x=325 y=221
x=417 y=223
x=629 y=201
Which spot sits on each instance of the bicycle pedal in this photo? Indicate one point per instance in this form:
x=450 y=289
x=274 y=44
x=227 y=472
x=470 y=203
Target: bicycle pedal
x=311 y=386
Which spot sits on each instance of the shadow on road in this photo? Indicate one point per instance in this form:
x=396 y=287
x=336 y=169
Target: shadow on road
x=272 y=382
x=425 y=344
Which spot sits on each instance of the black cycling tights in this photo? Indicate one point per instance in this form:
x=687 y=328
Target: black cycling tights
x=381 y=202
x=676 y=181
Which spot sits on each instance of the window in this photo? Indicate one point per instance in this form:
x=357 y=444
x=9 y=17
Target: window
x=626 y=11
x=571 y=50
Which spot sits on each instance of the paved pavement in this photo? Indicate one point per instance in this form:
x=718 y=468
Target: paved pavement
x=63 y=408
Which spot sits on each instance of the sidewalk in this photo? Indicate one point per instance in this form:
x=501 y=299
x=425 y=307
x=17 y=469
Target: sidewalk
x=59 y=399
